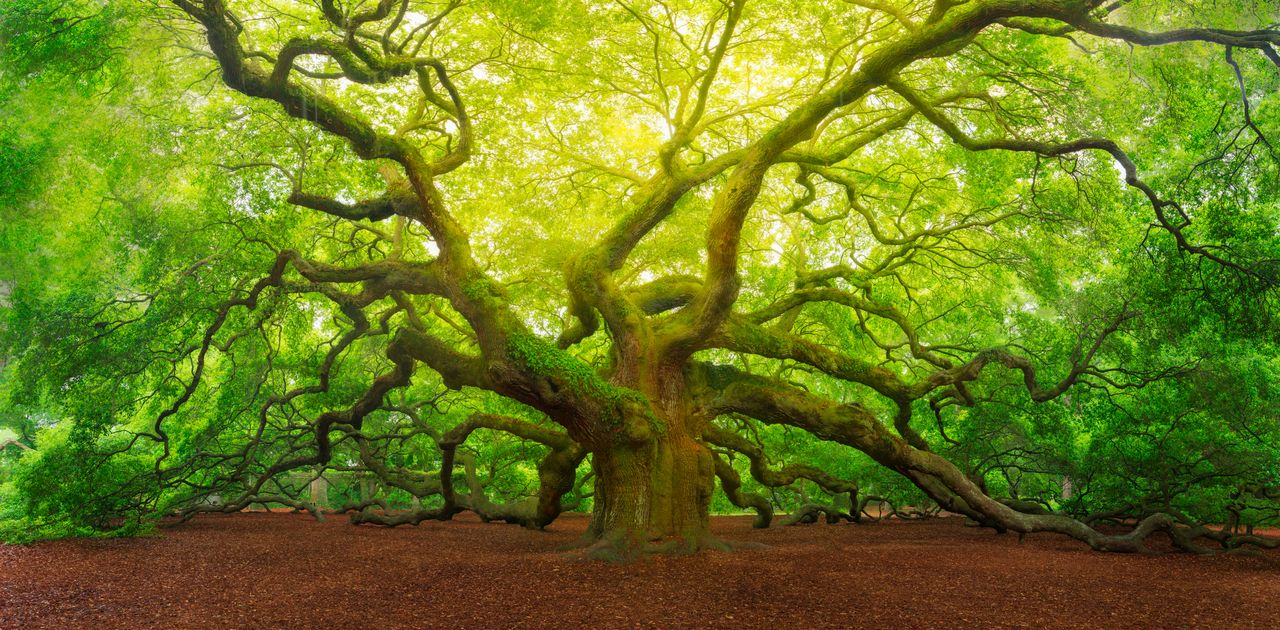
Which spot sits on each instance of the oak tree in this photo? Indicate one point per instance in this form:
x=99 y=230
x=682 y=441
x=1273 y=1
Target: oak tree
x=638 y=234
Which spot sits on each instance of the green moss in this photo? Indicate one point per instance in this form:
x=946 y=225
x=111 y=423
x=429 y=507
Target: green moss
x=544 y=360
x=478 y=289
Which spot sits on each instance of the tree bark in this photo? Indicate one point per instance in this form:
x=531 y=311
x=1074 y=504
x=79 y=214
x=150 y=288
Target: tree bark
x=654 y=493
x=654 y=490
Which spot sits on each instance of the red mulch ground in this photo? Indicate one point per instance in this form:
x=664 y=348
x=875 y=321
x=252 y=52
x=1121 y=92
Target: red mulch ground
x=260 y=570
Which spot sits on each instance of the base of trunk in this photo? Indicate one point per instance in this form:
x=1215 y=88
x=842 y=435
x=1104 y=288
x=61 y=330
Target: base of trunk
x=651 y=497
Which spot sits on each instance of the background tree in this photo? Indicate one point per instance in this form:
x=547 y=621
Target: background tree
x=1009 y=248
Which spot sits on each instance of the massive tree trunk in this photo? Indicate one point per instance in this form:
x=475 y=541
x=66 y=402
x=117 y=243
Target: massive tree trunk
x=658 y=490
x=654 y=493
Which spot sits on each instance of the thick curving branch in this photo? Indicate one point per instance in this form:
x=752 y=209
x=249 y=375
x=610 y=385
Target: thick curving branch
x=556 y=472
x=772 y=401
x=731 y=484
x=785 y=476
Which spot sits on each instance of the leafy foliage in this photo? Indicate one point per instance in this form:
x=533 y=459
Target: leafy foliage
x=204 y=287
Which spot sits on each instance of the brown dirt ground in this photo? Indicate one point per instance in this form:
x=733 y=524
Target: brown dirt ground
x=271 y=570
